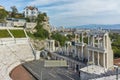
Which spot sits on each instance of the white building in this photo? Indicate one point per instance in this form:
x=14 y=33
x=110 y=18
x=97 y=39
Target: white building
x=31 y=11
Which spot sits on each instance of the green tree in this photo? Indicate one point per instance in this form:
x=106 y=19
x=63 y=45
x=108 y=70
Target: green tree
x=41 y=32
x=41 y=18
x=60 y=38
x=70 y=37
x=3 y=15
x=85 y=39
x=14 y=11
x=115 y=38
x=27 y=19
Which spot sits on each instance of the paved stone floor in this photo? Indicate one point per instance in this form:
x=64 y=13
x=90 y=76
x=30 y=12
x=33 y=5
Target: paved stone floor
x=50 y=73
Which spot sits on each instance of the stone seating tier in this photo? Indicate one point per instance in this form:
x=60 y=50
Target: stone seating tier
x=12 y=55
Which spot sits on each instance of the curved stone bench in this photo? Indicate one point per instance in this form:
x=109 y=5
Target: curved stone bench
x=12 y=55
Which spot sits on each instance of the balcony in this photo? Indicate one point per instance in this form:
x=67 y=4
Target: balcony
x=80 y=44
x=100 y=49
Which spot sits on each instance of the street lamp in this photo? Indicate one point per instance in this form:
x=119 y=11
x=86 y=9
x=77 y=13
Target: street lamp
x=41 y=75
x=116 y=67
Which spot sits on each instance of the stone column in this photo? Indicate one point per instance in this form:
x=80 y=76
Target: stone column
x=88 y=40
x=98 y=58
x=78 y=50
x=79 y=38
x=88 y=55
x=82 y=51
x=93 y=59
x=82 y=37
x=93 y=41
x=104 y=41
x=49 y=45
x=104 y=60
x=76 y=37
x=75 y=50
x=98 y=42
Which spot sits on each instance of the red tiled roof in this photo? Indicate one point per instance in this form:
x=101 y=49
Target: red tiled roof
x=31 y=7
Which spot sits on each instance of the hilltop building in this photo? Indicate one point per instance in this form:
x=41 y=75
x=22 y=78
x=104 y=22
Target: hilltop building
x=1 y=7
x=30 y=11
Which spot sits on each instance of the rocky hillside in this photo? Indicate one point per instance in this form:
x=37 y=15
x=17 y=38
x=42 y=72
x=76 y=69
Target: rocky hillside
x=43 y=20
x=41 y=32
x=38 y=44
x=46 y=24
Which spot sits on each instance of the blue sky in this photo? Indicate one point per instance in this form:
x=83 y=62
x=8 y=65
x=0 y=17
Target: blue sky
x=73 y=12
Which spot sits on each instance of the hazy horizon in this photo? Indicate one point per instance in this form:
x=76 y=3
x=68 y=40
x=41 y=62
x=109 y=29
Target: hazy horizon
x=72 y=13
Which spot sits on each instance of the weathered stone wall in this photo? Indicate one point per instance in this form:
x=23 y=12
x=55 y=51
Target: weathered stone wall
x=46 y=26
x=19 y=23
x=37 y=44
x=30 y=25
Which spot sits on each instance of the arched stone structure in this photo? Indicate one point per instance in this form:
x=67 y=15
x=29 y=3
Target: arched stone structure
x=12 y=55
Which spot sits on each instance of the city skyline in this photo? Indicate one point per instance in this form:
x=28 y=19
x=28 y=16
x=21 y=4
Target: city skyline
x=72 y=13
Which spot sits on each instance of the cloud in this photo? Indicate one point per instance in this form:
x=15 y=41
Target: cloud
x=64 y=12
x=20 y=4
x=87 y=7
x=42 y=2
x=76 y=10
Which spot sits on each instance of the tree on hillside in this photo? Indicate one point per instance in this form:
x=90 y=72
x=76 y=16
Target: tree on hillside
x=115 y=38
x=41 y=18
x=60 y=38
x=14 y=11
x=41 y=32
x=3 y=15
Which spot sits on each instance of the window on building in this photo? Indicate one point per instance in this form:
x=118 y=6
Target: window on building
x=32 y=12
x=26 y=11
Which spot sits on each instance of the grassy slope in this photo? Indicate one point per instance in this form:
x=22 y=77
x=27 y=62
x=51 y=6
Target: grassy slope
x=4 y=34
x=18 y=33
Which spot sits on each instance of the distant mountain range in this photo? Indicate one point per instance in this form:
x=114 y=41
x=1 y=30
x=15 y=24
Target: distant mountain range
x=96 y=26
